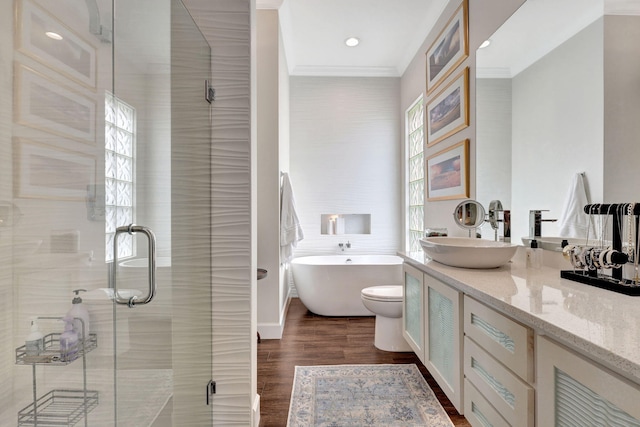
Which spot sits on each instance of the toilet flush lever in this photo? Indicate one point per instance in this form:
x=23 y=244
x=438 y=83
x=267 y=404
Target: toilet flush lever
x=133 y=301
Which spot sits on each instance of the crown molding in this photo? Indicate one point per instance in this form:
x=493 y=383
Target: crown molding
x=337 y=71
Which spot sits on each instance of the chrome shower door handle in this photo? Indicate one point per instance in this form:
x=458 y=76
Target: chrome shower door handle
x=133 y=301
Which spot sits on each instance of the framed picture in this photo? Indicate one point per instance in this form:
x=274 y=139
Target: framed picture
x=47 y=40
x=42 y=103
x=448 y=111
x=448 y=173
x=449 y=49
x=46 y=172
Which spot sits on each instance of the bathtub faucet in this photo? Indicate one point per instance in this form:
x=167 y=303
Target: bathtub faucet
x=343 y=245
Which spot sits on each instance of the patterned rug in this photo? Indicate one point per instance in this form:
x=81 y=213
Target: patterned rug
x=363 y=395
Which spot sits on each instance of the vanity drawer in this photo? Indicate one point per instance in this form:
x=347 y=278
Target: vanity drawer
x=510 y=396
x=478 y=411
x=507 y=340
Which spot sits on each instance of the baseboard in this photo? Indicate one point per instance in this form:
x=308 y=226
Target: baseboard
x=270 y=331
x=274 y=331
x=256 y=411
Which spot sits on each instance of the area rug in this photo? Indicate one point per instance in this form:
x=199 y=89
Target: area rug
x=363 y=395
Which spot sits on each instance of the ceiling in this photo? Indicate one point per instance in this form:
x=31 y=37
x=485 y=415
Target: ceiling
x=390 y=33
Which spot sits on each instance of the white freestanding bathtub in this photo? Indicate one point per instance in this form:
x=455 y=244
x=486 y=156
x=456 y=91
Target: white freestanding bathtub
x=330 y=285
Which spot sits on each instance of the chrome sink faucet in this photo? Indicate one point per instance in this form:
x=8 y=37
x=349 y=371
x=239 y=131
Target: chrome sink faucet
x=535 y=222
x=495 y=207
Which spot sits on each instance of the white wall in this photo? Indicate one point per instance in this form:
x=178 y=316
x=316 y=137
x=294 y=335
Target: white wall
x=284 y=158
x=622 y=109
x=345 y=159
x=557 y=128
x=493 y=142
x=267 y=168
x=484 y=18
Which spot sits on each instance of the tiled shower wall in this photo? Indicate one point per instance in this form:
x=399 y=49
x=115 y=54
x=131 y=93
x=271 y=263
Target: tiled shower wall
x=345 y=159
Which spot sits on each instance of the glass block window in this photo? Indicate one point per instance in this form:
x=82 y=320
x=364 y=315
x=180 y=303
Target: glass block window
x=119 y=174
x=415 y=182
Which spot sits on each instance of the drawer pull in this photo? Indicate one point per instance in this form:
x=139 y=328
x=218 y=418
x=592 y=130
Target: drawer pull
x=496 y=385
x=495 y=334
x=480 y=416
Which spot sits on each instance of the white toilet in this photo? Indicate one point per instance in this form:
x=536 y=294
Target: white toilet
x=386 y=303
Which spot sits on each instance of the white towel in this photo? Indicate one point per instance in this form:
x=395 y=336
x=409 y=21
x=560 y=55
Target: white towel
x=290 y=230
x=573 y=222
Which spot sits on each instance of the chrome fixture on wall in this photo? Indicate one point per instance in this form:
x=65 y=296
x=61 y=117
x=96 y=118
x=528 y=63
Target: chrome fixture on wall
x=535 y=222
x=103 y=33
x=495 y=207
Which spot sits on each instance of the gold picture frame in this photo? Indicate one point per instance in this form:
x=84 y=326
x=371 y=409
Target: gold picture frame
x=448 y=173
x=42 y=103
x=70 y=55
x=48 y=172
x=450 y=47
x=448 y=112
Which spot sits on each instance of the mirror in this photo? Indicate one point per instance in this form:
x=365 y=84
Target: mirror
x=554 y=99
x=469 y=215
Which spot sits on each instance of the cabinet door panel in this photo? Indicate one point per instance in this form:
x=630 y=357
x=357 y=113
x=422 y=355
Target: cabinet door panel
x=413 y=310
x=443 y=338
x=512 y=397
x=573 y=390
x=478 y=411
x=507 y=340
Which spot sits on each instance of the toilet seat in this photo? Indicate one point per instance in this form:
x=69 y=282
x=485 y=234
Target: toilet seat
x=391 y=293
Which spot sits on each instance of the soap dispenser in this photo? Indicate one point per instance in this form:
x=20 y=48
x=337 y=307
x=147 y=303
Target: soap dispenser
x=78 y=311
x=34 y=343
x=68 y=341
x=534 y=255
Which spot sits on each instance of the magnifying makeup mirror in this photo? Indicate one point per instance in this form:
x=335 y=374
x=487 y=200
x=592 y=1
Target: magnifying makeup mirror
x=469 y=215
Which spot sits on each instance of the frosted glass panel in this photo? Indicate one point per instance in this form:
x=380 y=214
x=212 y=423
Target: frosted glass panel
x=480 y=416
x=441 y=334
x=577 y=405
x=416 y=218
x=413 y=308
x=494 y=333
x=499 y=388
x=414 y=241
x=416 y=168
x=416 y=193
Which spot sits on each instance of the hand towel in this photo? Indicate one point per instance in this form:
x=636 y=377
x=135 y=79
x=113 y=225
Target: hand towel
x=290 y=229
x=573 y=222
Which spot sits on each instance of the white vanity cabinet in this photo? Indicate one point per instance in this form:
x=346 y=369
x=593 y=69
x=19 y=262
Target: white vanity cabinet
x=498 y=367
x=432 y=325
x=574 y=391
x=443 y=337
x=413 y=309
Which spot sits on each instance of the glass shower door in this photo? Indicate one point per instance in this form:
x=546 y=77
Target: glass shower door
x=163 y=348
x=103 y=123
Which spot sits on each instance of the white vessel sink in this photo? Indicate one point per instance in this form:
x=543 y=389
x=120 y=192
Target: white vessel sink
x=468 y=253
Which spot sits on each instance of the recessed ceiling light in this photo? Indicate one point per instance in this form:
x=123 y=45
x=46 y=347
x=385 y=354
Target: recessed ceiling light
x=485 y=44
x=352 y=41
x=53 y=35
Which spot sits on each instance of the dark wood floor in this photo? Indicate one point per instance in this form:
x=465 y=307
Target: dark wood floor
x=310 y=340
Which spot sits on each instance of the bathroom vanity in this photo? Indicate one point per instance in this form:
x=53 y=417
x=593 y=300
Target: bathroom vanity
x=513 y=346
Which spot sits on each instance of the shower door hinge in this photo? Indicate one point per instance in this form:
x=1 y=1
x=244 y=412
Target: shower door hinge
x=209 y=92
x=211 y=390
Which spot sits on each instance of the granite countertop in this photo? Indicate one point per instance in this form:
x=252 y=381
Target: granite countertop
x=601 y=324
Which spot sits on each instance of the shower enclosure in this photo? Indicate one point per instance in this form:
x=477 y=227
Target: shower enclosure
x=104 y=123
